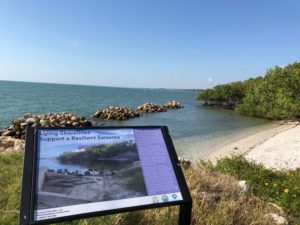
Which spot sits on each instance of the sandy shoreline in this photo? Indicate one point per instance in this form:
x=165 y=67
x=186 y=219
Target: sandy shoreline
x=277 y=147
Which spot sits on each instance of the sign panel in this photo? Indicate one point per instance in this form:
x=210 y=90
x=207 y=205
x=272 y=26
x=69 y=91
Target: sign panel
x=91 y=170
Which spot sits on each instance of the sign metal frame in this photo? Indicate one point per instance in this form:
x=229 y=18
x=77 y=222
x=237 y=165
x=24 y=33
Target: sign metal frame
x=29 y=179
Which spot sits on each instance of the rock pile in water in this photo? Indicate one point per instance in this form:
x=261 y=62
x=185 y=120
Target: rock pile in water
x=119 y=113
x=116 y=113
x=150 y=108
x=18 y=127
x=172 y=105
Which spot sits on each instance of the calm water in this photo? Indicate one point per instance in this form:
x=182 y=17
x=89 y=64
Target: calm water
x=194 y=123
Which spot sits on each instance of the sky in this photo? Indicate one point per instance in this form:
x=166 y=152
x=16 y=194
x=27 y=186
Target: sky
x=149 y=44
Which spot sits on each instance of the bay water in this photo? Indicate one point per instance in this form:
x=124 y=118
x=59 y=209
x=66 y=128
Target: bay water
x=196 y=130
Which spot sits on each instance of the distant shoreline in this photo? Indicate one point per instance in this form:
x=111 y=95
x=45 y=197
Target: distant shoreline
x=107 y=86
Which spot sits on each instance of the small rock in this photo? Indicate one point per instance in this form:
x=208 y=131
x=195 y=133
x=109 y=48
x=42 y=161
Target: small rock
x=9 y=144
x=244 y=186
x=280 y=210
x=185 y=163
x=74 y=119
x=75 y=124
x=8 y=133
x=277 y=219
x=30 y=121
x=44 y=123
x=23 y=125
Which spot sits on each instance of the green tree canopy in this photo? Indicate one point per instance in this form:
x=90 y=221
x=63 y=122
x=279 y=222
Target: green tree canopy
x=274 y=96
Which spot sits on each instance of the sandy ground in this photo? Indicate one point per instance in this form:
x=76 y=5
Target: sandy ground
x=278 y=147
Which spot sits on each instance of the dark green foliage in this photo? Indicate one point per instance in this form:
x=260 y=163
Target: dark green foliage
x=279 y=187
x=274 y=96
x=277 y=96
x=227 y=95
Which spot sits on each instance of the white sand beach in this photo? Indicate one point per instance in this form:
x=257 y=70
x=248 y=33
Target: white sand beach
x=278 y=147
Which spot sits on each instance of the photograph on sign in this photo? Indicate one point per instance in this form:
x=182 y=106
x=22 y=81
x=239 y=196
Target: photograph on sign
x=88 y=170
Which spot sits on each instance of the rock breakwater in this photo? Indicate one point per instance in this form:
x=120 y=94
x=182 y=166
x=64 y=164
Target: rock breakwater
x=63 y=119
x=172 y=105
x=116 y=113
x=150 y=108
x=123 y=113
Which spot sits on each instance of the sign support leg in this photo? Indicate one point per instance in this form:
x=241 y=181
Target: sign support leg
x=185 y=214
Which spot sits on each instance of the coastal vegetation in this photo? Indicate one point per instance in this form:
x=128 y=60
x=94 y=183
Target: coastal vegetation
x=119 y=151
x=280 y=187
x=276 y=95
x=217 y=199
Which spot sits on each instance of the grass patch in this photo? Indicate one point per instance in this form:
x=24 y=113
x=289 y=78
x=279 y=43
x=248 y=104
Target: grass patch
x=216 y=200
x=282 y=188
x=11 y=166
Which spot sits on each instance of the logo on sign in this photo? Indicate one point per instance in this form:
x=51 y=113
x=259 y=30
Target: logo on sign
x=164 y=198
x=155 y=199
x=174 y=196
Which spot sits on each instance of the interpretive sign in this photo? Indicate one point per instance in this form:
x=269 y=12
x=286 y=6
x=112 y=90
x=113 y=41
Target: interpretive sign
x=77 y=173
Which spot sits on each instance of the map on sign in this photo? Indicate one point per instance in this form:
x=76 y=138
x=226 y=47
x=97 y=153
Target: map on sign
x=82 y=171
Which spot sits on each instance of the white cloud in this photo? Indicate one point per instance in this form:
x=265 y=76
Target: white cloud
x=74 y=44
x=210 y=80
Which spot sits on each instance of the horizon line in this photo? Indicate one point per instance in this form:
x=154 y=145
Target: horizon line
x=91 y=85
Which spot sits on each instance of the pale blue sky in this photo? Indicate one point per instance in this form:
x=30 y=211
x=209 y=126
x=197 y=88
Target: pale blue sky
x=153 y=43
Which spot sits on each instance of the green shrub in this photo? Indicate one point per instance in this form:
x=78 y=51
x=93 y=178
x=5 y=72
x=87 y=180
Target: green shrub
x=274 y=96
x=282 y=188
